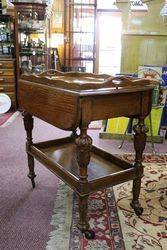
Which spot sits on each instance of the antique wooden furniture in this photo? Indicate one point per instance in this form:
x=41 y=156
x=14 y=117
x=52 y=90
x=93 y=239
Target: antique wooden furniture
x=7 y=61
x=72 y=100
x=7 y=79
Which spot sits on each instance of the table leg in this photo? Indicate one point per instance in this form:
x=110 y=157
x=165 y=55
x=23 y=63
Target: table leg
x=84 y=143
x=74 y=133
x=28 y=124
x=139 y=144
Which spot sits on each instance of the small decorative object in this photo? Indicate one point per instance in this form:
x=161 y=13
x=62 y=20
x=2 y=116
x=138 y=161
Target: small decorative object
x=5 y=103
x=152 y=73
x=24 y=66
x=163 y=12
x=30 y=65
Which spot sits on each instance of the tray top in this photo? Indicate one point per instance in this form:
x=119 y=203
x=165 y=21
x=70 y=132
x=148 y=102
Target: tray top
x=81 y=82
x=66 y=100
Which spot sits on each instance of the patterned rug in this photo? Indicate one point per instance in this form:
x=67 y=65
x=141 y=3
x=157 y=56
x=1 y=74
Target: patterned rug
x=114 y=222
x=8 y=118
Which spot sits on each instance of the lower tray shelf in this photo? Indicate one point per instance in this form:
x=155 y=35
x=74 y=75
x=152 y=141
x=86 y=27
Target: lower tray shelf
x=104 y=169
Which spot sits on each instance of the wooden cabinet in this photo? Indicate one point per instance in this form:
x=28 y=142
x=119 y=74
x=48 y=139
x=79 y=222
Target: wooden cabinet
x=7 y=79
x=7 y=53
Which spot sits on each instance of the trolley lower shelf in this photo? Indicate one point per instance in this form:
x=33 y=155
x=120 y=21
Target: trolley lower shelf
x=104 y=169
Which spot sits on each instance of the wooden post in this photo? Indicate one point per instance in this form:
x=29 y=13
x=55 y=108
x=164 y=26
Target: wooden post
x=140 y=131
x=84 y=143
x=28 y=124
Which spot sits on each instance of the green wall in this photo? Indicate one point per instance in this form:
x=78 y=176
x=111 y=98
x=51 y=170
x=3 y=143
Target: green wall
x=144 y=37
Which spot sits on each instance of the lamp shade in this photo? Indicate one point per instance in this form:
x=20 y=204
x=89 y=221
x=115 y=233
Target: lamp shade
x=163 y=11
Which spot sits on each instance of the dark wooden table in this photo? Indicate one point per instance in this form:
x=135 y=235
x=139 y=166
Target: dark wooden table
x=70 y=101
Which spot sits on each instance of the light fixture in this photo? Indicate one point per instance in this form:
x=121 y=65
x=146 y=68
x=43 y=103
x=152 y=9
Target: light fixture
x=163 y=11
x=136 y=3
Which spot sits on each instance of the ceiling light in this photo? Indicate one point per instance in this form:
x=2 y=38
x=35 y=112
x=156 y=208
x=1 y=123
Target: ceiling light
x=163 y=11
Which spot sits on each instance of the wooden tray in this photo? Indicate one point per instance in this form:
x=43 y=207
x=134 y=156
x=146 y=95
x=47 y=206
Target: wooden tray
x=79 y=81
x=104 y=169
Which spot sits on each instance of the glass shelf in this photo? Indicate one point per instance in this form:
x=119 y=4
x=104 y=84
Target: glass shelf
x=31 y=53
x=31 y=38
x=30 y=30
x=6 y=36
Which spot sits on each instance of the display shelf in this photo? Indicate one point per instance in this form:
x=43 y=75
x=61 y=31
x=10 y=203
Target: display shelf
x=61 y=154
x=29 y=31
x=31 y=38
x=153 y=34
x=5 y=42
x=6 y=36
x=32 y=49
x=31 y=53
x=128 y=136
x=105 y=135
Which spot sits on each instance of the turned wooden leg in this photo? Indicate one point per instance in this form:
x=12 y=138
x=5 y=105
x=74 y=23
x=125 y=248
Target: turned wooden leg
x=28 y=124
x=84 y=143
x=74 y=133
x=83 y=207
x=31 y=173
x=139 y=144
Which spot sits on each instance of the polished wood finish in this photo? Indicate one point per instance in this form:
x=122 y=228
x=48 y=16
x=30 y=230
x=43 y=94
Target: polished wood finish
x=8 y=64
x=28 y=124
x=8 y=72
x=140 y=131
x=62 y=154
x=78 y=81
x=73 y=100
x=104 y=93
x=7 y=79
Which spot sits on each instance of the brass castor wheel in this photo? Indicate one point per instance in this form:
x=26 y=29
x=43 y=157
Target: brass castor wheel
x=138 y=211
x=137 y=208
x=33 y=183
x=32 y=179
x=89 y=234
